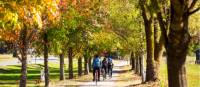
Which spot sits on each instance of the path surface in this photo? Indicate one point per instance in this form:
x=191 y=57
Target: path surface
x=122 y=77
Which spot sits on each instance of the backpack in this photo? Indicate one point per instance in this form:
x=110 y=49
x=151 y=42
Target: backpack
x=96 y=62
x=110 y=61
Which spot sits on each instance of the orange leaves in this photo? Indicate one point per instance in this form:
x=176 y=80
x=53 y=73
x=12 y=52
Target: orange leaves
x=50 y=12
x=13 y=4
x=9 y=36
x=62 y=5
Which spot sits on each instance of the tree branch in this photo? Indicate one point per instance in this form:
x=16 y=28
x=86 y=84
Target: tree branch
x=195 y=10
x=144 y=15
x=31 y=35
x=20 y=59
x=163 y=27
x=121 y=35
x=193 y=4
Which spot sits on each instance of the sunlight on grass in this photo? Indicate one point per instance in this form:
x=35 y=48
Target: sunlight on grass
x=193 y=73
x=9 y=75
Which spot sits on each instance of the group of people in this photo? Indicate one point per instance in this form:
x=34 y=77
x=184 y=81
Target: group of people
x=105 y=65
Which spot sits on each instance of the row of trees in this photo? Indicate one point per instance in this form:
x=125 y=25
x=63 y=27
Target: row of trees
x=59 y=27
x=171 y=18
x=166 y=26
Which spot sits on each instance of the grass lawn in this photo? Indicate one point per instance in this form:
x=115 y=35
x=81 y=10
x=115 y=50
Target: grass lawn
x=192 y=70
x=9 y=75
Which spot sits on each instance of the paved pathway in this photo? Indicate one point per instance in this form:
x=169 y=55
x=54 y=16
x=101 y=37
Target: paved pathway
x=116 y=81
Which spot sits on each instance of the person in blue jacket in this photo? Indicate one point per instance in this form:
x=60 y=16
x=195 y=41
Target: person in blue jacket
x=96 y=64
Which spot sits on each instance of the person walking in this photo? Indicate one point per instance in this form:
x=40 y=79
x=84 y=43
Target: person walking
x=105 y=66
x=110 y=66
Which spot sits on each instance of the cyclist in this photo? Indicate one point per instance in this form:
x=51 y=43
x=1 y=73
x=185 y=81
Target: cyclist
x=105 y=65
x=96 y=66
x=110 y=66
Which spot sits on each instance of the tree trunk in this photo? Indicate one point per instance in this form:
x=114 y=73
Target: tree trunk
x=132 y=61
x=15 y=54
x=150 y=72
x=62 y=72
x=46 y=67
x=70 y=63
x=159 y=48
x=90 y=64
x=137 y=65
x=141 y=63
x=142 y=67
x=86 y=67
x=80 y=66
x=135 y=62
x=177 y=47
x=24 y=58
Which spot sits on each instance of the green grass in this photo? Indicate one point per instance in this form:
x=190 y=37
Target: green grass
x=9 y=75
x=192 y=70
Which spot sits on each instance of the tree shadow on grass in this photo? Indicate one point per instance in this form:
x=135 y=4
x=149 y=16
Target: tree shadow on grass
x=9 y=75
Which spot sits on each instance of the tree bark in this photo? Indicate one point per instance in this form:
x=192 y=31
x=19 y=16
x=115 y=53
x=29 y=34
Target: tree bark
x=62 y=72
x=177 y=47
x=24 y=58
x=86 y=65
x=137 y=65
x=46 y=67
x=150 y=72
x=135 y=62
x=70 y=63
x=132 y=61
x=90 y=64
x=158 y=48
x=80 y=66
x=15 y=54
x=142 y=67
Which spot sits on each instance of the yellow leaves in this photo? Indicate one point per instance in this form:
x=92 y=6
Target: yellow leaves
x=13 y=4
x=18 y=27
x=9 y=20
x=26 y=13
x=39 y=21
x=9 y=16
x=20 y=12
